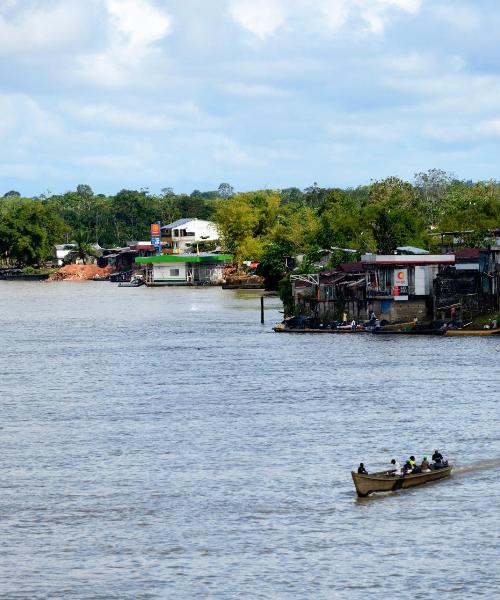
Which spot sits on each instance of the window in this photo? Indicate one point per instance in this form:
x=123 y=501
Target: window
x=174 y=272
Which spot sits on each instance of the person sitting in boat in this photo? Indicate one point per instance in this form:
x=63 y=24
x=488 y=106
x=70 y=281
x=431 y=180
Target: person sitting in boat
x=362 y=470
x=395 y=468
x=413 y=462
x=437 y=456
x=353 y=325
x=424 y=465
x=407 y=468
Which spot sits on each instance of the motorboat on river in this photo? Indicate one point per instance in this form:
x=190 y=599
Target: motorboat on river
x=136 y=281
x=383 y=482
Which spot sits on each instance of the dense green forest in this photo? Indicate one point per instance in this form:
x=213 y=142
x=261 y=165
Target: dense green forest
x=262 y=225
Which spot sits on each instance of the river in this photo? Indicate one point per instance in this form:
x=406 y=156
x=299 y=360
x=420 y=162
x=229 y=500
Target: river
x=162 y=443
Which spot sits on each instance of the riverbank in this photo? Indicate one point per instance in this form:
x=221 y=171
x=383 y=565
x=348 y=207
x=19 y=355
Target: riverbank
x=81 y=272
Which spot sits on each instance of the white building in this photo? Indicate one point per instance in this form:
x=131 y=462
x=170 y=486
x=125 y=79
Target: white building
x=182 y=235
x=184 y=269
x=61 y=251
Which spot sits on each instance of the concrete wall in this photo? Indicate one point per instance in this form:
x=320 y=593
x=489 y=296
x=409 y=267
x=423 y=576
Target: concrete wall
x=165 y=273
x=401 y=310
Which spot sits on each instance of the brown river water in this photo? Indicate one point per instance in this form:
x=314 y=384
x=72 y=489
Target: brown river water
x=162 y=443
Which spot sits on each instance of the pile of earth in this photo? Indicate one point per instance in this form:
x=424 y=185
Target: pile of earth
x=80 y=272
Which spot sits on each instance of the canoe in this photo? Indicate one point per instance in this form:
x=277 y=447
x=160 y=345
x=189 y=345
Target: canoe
x=380 y=482
x=472 y=332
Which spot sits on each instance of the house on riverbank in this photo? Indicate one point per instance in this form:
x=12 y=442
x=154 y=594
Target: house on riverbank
x=400 y=287
x=396 y=287
x=184 y=235
x=184 y=269
x=411 y=284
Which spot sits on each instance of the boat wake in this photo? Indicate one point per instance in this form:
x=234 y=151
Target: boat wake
x=478 y=466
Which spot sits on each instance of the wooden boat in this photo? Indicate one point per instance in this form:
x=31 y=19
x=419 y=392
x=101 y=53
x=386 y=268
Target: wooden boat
x=279 y=328
x=380 y=482
x=415 y=331
x=472 y=332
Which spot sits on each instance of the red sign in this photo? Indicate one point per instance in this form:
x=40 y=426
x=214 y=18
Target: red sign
x=155 y=229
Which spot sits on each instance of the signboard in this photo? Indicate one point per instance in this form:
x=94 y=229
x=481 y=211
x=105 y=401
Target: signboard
x=156 y=236
x=401 y=288
x=400 y=277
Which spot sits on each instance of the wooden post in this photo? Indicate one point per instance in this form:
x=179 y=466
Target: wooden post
x=262 y=310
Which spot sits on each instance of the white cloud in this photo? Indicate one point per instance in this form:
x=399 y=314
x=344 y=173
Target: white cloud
x=260 y=17
x=135 y=27
x=104 y=115
x=264 y=17
x=41 y=28
x=22 y=117
x=138 y=23
x=335 y=13
x=377 y=13
x=146 y=119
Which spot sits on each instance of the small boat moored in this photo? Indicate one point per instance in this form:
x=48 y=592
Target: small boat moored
x=134 y=282
x=472 y=332
x=382 y=482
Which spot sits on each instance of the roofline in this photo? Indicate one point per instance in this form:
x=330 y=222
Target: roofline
x=184 y=258
x=411 y=259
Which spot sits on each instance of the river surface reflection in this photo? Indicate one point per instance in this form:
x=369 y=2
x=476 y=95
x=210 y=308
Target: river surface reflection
x=162 y=443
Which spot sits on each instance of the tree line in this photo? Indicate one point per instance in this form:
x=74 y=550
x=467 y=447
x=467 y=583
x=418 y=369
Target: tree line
x=264 y=225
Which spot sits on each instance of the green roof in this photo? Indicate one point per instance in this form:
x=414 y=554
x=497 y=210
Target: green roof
x=184 y=258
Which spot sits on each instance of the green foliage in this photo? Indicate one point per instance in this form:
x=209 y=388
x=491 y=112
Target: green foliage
x=285 y=293
x=264 y=225
x=225 y=190
x=83 y=248
x=28 y=230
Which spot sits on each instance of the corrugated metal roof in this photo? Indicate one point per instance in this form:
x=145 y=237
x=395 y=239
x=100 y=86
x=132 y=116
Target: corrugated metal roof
x=184 y=258
x=411 y=250
x=177 y=223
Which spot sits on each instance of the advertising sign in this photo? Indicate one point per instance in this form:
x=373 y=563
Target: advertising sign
x=400 y=277
x=401 y=284
x=156 y=236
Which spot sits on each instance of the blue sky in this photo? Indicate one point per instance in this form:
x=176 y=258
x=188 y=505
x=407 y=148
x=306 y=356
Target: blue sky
x=258 y=93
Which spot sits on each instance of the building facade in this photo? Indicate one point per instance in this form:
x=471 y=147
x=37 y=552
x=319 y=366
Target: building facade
x=184 y=269
x=183 y=235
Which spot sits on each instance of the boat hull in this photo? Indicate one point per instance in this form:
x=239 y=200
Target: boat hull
x=473 y=332
x=379 y=482
x=278 y=329
x=408 y=332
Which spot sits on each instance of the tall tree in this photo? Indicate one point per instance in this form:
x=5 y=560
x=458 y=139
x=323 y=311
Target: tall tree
x=225 y=190
x=28 y=230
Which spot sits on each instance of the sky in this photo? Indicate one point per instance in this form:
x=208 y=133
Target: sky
x=257 y=93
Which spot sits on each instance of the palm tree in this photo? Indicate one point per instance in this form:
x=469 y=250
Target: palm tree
x=83 y=249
